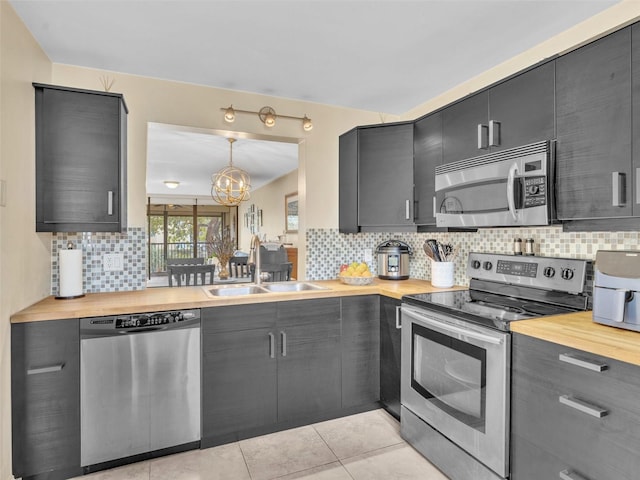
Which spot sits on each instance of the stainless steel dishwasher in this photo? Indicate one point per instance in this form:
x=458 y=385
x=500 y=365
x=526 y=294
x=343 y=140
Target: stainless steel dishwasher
x=139 y=385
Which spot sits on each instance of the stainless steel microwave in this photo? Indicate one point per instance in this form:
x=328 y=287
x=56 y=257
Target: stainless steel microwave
x=511 y=187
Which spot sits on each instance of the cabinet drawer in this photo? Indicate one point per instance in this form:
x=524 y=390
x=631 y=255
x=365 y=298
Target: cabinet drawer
x=567 y=429
x=617 y=385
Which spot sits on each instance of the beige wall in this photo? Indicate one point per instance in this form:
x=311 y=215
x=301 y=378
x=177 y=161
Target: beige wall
x=24 y=255
x=153 y=100
x=624 y=13
x=269 y=198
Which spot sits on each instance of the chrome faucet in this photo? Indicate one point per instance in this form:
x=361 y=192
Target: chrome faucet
x=254 y=258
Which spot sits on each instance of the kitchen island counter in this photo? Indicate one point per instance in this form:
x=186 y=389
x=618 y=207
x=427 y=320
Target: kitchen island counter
x=166 y=298
x=577 y=330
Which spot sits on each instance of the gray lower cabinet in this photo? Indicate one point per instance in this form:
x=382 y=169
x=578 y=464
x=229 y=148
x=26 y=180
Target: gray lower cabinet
x=309 y=363
x=45 y=398
x=274 y=365
x=360 y=350
x=572 y=413
x=390 y=352
x=239 y=369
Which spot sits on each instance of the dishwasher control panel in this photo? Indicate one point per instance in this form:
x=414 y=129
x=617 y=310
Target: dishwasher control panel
x=139 y=321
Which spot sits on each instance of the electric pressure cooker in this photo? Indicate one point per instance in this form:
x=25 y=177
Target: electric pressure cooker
x=393 y=260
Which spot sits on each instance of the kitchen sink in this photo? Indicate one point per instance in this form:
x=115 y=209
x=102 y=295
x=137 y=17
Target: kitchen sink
x=280 y=287
x=234 y=290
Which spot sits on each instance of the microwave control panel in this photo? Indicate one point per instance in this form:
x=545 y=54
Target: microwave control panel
x=535 y=191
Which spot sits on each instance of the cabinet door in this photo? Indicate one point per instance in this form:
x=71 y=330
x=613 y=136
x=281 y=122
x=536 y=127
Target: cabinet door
x=80 y=160
x=45 y=397
x=309 y=365
x=460 y=124
x=389 y=356
x=524 y=108
x=348 y=182
x=634 y=196
x=360 y=350
x=593 y=153
x=427 y=149
x=385 y=176
x=238 y=369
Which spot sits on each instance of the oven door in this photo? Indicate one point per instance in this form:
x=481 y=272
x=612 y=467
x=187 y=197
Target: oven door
x=455 y=377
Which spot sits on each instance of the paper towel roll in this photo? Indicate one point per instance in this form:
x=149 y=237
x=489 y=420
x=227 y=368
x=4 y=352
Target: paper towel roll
x=70 y=262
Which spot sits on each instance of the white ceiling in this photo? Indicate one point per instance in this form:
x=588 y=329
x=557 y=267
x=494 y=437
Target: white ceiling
x=379 y=55
x=190 y=155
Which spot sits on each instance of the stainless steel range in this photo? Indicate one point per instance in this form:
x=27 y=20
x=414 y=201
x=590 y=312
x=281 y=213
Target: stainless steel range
x=456 y=357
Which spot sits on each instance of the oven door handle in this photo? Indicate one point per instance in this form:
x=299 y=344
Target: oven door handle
x=455 y=329
x=511 y=178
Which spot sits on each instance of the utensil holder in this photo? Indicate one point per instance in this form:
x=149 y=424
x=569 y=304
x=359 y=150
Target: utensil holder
x=442 y=274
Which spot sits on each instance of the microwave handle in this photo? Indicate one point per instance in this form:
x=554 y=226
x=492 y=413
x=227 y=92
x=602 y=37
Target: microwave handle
x=511 y=178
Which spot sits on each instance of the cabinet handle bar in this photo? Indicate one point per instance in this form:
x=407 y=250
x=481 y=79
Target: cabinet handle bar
x=398 y=320
x=582 y=406
x=110 y=202
x=407 y=210
x=482 y=137
x=494 y=133
x=618 y=189
x=583 y=362
x=272 y=345
x=283 y=337
x=569 y=475
x=47 y=369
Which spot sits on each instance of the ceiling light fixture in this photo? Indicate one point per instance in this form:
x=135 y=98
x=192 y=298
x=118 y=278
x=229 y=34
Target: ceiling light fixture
x=171 y=183
x=267 y=115
x=231 y=185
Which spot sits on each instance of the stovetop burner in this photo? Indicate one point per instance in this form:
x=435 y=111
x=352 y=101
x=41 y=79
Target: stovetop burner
x=506 y=288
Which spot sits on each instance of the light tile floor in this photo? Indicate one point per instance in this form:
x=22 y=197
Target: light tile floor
x=366 y=446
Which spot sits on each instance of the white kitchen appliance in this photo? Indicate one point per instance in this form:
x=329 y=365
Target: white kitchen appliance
x=616 y=289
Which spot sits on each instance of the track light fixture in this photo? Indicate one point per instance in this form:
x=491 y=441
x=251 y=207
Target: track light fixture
x=267 y=115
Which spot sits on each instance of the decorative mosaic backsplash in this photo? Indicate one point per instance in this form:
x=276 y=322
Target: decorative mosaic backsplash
x=327 y=248
x=131 y=243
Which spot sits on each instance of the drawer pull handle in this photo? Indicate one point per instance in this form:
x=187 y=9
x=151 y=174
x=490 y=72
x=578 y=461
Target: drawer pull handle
x=398 y=320
x=569 y=475
x=584 y=362
x=272 y=345
x=582 y=406
x=49 y=369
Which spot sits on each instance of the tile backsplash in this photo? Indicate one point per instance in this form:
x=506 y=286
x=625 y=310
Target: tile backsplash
x=131 y=243
x=328 y=248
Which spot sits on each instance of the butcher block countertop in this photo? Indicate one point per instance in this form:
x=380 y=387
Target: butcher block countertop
x=577 y=330
x=167 y=298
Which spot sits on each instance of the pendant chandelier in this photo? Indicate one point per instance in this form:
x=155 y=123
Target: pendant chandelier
x=231 y=185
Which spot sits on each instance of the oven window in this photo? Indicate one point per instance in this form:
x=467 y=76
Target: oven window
x=450 y=374
x=481 y=197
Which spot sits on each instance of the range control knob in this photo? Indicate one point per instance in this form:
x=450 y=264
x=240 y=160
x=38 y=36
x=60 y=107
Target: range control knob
x=533 y=189
x=549 y=272
x=475 y=264
x=567 y=273
x=487 y=265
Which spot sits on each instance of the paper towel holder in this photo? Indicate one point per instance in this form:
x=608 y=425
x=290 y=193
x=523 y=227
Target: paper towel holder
x=70 y=246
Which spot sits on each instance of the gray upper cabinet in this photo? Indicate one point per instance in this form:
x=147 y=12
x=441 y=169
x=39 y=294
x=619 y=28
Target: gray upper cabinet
x=348 y=182
x=81 y=154
x=594 y=108
x=427 y=148
x=385 y=177
x=515 y=112
x=572 y=412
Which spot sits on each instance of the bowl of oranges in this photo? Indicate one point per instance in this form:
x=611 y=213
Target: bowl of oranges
x=355 y=273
